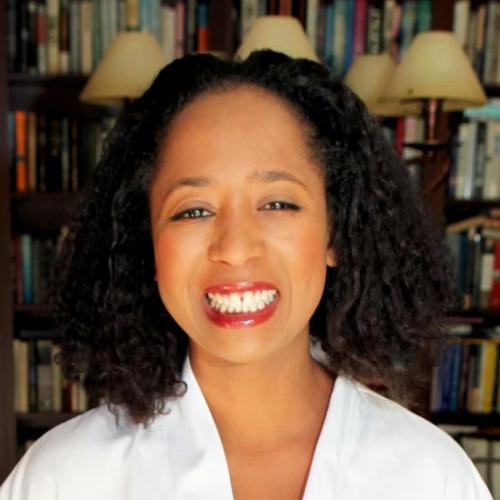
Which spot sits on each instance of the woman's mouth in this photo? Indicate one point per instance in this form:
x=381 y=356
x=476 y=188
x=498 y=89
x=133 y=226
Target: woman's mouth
x=240 y=308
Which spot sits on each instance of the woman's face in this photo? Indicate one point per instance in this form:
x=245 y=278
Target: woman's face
x=239 y=223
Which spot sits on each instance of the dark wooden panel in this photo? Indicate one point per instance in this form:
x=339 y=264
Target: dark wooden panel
x=7 y=422
x=41 y=212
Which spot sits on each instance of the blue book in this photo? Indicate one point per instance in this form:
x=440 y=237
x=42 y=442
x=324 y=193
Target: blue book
x=456 y=366
x=445 y=379
x=26 y=268
x=349 y=35
x=328 y=40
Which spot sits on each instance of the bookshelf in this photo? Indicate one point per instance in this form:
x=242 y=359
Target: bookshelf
x=46 y=212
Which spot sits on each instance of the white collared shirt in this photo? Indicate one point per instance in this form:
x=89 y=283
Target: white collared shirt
x=369 y=448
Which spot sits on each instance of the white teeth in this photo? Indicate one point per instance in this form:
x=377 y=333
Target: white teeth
x=241 y=302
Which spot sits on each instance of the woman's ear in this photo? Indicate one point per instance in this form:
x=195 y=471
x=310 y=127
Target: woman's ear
x=331 y=257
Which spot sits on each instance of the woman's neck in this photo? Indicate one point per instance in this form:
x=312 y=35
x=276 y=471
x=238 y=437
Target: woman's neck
x=264 y=405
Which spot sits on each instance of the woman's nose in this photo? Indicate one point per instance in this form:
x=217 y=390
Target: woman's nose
x=237 y=238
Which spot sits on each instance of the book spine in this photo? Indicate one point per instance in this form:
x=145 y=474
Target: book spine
x=11 y=34
x=202 y=27
x=374 y=27
x=21 y=151
x=32 y=15
x=360 y=13
x=86 y=40
x=53 y=36
x=168 y=32
x=26 y=270
x=492 y=41
x=56 y=395
x=44 y=374
x=21 y=374
x=75 y=37
x=424 y=16
x=311 y=21
x=339 y=36
x=133 y=15
x=31 y=150
x=491 y=185
x=495 y=285
x=64 y=37
x=461 y=20
x=190 y=29
x=179 y=28
x=41 y=36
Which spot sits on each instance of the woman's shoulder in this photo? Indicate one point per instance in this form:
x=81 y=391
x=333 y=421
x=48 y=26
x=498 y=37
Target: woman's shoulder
x=84 y=444
x=386 y=433
x=382 y=419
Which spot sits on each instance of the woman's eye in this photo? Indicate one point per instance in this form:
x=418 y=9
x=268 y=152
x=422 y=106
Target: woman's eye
x=192 y=213
x=281 y=205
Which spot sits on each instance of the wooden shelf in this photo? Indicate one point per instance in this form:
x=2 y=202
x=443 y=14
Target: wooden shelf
x=492 y=90
x=42 y=420
x=41 y=212
x=475 y=316
x=48 y=93
x=32 y=317
x=469 y=419
x=456 y=209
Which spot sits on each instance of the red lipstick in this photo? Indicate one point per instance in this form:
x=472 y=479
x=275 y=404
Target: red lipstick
x=243 y=319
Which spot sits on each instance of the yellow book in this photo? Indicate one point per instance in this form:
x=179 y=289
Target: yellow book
x=488 y=373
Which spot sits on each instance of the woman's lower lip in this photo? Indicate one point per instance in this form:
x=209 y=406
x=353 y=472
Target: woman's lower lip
x=240 y=320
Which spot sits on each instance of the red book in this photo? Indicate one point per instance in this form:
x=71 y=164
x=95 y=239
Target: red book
x=21 y=150
x=360 y=27
x=495 y=287
x=400 y=136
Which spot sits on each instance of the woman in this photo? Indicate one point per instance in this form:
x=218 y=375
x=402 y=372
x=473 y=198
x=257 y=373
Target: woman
x=243 y=216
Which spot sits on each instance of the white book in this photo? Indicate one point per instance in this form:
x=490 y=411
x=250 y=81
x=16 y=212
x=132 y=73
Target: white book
x=249 y=12
x=461 y=20
x=168 y=32
x=491 y=43
x=56 y=381
x=86 y=12
x=491 y=186
x=469 y=151
x=312 y=21
x=113 y=19
x=52 y=36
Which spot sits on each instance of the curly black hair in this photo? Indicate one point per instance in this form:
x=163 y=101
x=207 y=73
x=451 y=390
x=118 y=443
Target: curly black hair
x=383 y=306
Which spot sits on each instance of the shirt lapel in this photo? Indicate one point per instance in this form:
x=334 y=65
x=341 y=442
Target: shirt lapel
x=198 y=464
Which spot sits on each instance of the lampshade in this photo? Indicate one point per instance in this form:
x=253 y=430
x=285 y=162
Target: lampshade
x=127 y=69
x=368 y=76
x=280 y=33
x=435 y=66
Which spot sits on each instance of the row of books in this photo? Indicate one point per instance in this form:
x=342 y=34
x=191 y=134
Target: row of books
x=52 y=153
x=467 y=378
x=477 y=26
x=71 y=36
x=474 y=246
x=33 y=261
x=342 y=29
x=38 y=381
x=475 y=169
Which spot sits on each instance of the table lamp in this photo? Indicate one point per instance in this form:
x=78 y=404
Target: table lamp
x=368 y=77
x=434 y=76
x=127 y=69
x=280 y=33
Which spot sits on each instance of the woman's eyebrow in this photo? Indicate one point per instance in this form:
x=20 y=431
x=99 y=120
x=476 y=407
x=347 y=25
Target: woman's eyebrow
x=264 y=176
